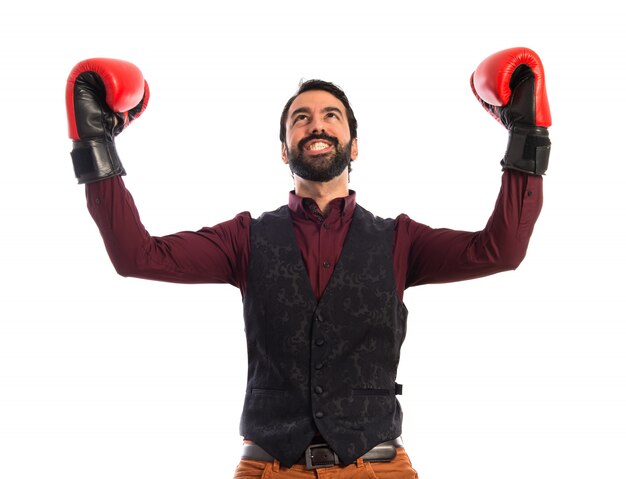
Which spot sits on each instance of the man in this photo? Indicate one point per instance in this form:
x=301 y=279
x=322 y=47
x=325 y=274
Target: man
x=322 y=279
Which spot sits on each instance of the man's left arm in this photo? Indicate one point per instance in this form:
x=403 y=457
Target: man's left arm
x=510 y=85
x=440 y=255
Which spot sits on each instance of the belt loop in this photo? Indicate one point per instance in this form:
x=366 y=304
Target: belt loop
x=359 y=462
x=276 y=465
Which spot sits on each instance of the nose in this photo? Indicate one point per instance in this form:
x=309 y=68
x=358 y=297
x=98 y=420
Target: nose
x=316 y=125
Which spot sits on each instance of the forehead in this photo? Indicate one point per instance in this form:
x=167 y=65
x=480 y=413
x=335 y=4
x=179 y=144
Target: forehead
x=316 y=99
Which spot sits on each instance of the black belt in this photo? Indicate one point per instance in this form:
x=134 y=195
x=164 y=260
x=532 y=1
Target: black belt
x=321 y=455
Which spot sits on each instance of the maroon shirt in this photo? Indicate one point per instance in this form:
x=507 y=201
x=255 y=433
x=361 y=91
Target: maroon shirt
x=220 y=254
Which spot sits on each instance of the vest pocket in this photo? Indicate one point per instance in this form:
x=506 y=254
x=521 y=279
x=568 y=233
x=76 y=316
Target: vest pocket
x=370 y=392
x=276 y=393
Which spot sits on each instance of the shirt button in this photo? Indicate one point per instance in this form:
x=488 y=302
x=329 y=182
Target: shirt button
x=326 y=226
x=326 y=264
x=319 y=414
x=318 y=390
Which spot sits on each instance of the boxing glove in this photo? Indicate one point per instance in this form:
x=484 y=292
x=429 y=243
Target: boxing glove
x=510 y=85
x=103 y=96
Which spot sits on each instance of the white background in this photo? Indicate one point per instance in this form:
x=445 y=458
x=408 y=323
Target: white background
x=517 y=375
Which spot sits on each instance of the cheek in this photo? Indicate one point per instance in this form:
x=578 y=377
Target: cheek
x=293 y=140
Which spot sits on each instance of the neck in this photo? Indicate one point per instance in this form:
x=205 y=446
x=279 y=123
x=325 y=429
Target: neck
x=323 y=193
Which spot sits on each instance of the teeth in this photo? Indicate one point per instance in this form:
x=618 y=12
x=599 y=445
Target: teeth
x=318 y=146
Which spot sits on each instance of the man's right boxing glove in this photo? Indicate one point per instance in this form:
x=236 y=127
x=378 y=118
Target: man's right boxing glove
x=102 y=97
x=510 y=85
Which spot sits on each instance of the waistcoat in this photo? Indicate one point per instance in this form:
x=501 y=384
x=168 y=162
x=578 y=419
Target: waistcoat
x=327 y=365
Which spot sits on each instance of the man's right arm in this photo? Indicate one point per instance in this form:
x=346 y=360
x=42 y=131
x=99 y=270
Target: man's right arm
x=104 y=96
x=211 y=255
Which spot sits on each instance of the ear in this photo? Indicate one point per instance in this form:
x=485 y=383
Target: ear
x=354 y=149
x=283 y=153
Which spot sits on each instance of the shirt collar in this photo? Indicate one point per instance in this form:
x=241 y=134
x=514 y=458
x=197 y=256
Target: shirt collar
x=306 y=208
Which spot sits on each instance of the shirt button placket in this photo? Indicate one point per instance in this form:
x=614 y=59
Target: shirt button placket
x=317 y=358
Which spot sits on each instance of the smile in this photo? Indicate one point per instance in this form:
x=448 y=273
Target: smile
x=317 y=146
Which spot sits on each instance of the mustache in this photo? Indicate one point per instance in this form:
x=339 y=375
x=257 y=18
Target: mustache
x=318 y=136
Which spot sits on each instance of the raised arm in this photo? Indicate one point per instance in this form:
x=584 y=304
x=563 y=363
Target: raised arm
x=103 y=96
x=510 y=85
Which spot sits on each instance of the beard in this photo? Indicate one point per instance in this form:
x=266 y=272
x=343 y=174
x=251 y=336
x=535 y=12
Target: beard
x=323 y=167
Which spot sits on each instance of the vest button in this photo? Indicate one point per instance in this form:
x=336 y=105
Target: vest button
x=320 y=341
x=318 y=390
x=319 y=318
x=319 y=414
x=319 y=366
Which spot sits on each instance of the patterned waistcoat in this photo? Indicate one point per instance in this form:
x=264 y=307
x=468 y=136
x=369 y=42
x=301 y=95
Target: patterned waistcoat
x=327 y=365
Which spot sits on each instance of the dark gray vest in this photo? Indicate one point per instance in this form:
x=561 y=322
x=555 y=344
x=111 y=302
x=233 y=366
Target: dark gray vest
x=327 y=366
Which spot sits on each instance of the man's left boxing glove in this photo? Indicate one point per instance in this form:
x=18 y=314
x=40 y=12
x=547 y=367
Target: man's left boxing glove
x=102 y=97
x=510 y=85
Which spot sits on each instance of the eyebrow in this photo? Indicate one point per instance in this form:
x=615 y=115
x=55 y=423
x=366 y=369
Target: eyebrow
x=305 y=109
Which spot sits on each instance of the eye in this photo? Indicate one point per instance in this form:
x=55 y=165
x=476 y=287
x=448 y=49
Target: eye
x=332 y=114
x=299 y=118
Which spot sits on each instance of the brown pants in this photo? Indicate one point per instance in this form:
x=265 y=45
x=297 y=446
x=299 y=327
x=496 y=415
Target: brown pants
x=399 y=468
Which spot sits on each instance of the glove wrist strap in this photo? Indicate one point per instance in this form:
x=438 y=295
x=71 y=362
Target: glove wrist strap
x=95 y=160
x=528 y=150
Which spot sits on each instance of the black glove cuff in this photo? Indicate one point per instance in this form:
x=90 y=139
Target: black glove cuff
x=528 y=150
x=95 y=160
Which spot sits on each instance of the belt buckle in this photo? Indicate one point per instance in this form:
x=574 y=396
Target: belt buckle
x=318 y=456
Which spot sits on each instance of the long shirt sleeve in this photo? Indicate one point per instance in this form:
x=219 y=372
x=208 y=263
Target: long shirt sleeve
x=217 y=254
x=220 y=254
x=438 y=255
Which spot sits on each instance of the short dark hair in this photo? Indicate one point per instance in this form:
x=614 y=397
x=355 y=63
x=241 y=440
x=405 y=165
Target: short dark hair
x=325 y=86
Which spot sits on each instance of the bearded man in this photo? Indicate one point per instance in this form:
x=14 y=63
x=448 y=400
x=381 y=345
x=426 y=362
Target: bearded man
x=322 y=279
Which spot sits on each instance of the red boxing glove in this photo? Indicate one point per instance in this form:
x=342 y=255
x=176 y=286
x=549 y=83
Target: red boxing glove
x=510 y=85
x=103 y=96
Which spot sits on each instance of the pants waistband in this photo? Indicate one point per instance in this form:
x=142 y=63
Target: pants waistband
x=321 y=455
